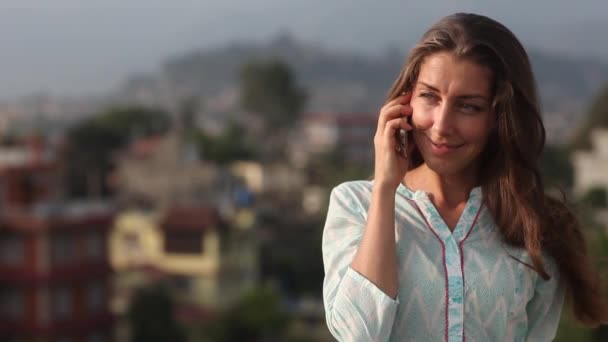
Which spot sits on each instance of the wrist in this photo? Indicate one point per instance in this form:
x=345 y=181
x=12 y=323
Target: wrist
x=385 y=186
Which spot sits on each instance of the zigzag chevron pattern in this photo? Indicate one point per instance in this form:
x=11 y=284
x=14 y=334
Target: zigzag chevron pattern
x=453 y=286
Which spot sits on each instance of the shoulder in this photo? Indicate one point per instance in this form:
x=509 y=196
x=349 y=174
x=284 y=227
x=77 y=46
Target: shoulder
x=352 y=196
x=357 y=189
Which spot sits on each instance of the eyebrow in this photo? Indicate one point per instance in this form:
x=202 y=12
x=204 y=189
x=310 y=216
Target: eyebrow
x=463 y=97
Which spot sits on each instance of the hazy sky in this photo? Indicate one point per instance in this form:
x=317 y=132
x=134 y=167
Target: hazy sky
x=70 y=47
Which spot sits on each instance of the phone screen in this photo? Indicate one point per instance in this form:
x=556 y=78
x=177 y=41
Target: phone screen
x=402 y=139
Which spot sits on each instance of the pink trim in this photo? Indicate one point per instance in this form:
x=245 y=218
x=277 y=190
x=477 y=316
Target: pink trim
x=445 y=271
x=464 y=338
x=472 y=224
x=445 y=268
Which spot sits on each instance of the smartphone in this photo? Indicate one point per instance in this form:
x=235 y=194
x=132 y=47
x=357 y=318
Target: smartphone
x=402 y=142
x=402 y=139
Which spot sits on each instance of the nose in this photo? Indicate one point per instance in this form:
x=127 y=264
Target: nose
x=442 y=120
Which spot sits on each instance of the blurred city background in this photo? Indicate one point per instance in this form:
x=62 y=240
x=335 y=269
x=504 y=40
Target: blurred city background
x=165 y=166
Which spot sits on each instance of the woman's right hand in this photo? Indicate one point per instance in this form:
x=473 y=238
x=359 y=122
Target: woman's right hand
x=390 y=165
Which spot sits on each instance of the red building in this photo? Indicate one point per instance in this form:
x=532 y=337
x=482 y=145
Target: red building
x=351 y=134
x=54 y=271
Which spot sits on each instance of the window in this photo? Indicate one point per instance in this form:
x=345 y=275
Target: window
x=184 y=242
x=94 y=242
x=62 y=303
x=13 y=303
x=62 y=249
x=131 y=241
x=95 y=297
x=96 y=337
x=181 y=284
x=11 y=249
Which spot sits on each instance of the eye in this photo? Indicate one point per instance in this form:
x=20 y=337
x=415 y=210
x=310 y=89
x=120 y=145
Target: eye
x=427 y=96
x=470 y=107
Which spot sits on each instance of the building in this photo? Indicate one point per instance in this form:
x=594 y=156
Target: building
x=162 y=170
x=54 y=271
x=591 y=167
x=351 y=134
x=591 y=171
x=191 y=250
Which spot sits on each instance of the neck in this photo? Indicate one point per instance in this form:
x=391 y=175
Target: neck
x=449 y=190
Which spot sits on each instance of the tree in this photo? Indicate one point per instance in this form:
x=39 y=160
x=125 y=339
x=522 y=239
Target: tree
x=596 y=198
x=151 y=316
x=556 y=167
x=269 y=89
x=130 y=121
x=92 y=142
x=256 y=317
x=188 y=110
x=597 y=116
x=228 y=147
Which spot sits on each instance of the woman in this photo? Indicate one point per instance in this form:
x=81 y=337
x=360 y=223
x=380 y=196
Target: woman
x=458 y=240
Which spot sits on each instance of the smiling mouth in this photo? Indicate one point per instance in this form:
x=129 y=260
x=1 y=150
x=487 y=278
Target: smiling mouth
x=451 y=146
x=444 y=145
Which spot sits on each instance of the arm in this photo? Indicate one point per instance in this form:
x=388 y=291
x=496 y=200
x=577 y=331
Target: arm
x=376 y=258
x=544 y=310
x=360 y=266
x=360 y=286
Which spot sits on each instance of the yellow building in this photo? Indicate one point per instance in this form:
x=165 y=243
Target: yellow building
x=206 y=264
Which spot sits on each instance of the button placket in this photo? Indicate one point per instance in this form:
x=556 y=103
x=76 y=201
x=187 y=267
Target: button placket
x=452 y=249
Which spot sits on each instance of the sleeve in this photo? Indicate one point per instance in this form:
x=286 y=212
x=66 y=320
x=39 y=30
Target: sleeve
x=355 y=309
x=545 y=308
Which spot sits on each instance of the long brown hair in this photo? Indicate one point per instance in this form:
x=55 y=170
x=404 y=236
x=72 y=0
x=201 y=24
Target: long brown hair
x=510 y=174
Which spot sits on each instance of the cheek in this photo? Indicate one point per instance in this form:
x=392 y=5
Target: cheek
x=476 y=131
x=421 y=117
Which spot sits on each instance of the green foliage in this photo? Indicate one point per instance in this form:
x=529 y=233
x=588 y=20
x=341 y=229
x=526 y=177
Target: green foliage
x=126 y=122
x=597 y=241
x=93 y=141
x=295 y=258
x=151 y=316
x=188 y=108
x=556 y=167
x=269 y=89
x=596 y=197
x=598 y=248
x=8 y=139
x=570 y=330
x=228 y=147
x=256 y=317
x=114 y=128
x=331 y=168
x=597 y=117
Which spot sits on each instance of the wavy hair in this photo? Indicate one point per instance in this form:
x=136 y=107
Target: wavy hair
x=510 y=173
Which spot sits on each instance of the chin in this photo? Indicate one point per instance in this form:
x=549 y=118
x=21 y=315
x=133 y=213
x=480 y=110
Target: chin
x=448 y=167
x=444 y=168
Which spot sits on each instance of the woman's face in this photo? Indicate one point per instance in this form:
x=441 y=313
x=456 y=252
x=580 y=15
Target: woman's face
x=452 y=112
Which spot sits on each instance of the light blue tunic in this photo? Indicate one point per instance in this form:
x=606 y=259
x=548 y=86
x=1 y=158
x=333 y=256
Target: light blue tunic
x=453 y=286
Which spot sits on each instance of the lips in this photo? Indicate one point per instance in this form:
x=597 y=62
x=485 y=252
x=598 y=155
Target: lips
x=442 y=143
x=442 y=148
x=445 y=145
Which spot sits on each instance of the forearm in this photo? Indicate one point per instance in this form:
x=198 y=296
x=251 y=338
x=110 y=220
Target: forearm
x=376 y=257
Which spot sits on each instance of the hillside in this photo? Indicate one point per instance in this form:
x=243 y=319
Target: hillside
x=343 y=82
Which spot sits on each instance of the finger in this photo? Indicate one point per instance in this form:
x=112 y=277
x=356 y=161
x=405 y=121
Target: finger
x=401 y=99
x=399 y=123
x=391 y=128
x=393 y=112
